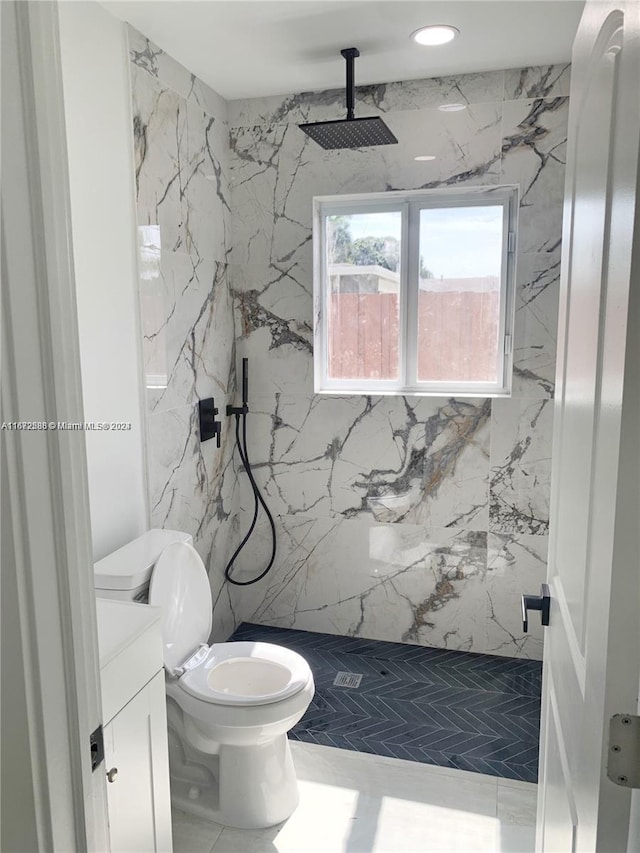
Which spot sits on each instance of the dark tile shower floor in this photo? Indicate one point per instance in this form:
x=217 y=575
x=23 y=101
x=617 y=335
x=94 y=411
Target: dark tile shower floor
x=471 y=711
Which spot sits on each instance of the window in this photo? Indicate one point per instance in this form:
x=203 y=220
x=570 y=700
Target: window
x=414 y=292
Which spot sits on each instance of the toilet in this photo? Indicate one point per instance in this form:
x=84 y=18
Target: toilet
x=229 y=705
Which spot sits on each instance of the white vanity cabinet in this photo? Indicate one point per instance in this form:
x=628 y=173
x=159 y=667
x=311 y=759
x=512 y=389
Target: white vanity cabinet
x=135 y=727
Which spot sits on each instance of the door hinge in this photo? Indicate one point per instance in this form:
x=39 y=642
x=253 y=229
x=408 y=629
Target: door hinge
x=511 y=241
x=623 y=764
x=508 y=344
x=96 y=743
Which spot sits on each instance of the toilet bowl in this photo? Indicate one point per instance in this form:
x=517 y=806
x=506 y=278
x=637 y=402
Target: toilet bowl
x=229 y=705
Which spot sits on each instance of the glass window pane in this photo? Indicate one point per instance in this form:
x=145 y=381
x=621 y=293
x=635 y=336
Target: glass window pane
x=459 y=293
x=363 y=291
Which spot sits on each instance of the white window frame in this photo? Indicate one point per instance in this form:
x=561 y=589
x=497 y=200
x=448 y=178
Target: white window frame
x=409 y=204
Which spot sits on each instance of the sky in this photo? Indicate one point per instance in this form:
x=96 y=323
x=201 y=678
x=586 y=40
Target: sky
x=456 y=242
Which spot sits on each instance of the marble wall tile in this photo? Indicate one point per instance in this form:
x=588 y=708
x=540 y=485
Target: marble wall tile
x=536 y=324
x=516 y=564
x=181 y=164
x=545 y=81
x=226 y=598
x=187 y=333
x=445 y=588
x=184 y=473
x=272 y=219
x=409 y=460
x=533 y=155
x=521 y=435
x=483 y=87
x=193 y=488
x=466 y=146
x=276 y=171
x=389 y=582
x=146 y=55
x=410 y=519
x=274 y=321
x=187 y=314
x=339 y=470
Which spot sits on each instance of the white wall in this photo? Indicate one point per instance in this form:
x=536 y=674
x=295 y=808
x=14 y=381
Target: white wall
x=101 y=171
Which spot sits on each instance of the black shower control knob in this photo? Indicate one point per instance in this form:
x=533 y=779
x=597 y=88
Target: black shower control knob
x=210 y=426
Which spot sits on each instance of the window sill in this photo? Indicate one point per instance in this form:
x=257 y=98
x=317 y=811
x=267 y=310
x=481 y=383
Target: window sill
x=412 y=392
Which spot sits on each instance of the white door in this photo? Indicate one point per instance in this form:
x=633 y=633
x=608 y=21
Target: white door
x=592 y=661
x=55 y=799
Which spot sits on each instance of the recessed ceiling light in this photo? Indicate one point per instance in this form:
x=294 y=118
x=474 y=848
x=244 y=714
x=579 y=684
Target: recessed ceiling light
x=436 y=34
x=425 y=157
x=452 y=108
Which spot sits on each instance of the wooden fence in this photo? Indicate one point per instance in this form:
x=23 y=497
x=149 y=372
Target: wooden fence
x=457 y=336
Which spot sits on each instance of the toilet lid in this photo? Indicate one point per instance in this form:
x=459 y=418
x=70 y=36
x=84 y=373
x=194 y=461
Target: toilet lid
x=180 y=586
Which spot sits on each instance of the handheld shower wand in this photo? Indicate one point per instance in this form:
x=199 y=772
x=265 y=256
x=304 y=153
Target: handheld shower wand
x=245 y=382
x=240 y=413
x=244 y=408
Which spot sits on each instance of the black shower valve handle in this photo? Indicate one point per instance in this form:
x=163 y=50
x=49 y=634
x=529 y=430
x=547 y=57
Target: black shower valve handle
x=210 y=426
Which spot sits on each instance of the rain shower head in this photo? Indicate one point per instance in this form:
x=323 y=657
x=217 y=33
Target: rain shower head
x=350 y=132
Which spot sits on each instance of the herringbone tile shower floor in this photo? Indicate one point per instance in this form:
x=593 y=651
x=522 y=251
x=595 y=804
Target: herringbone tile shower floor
x=454 y=709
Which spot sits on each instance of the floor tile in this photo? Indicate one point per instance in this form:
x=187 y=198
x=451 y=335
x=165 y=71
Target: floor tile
x=517 y=805
x=352 y=803
x=413 y=782
x=514 y=839
x=356 y=803
x=473 y=712
x=513 y=783
x=192 y=834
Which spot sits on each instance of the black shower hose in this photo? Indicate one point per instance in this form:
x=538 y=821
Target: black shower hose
x=259 y=500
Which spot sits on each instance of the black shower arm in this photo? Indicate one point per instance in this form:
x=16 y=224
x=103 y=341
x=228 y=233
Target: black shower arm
x=350 y=54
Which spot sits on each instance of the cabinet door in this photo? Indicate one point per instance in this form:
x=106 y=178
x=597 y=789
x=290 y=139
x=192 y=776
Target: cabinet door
x=136 y=759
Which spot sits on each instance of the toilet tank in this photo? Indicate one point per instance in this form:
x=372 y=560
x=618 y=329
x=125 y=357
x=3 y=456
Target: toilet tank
x=125 y=574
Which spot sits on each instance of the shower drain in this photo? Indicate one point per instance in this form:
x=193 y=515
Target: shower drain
x=347 y=679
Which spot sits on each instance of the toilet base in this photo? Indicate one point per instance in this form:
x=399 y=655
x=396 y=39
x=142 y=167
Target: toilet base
x=247 y=787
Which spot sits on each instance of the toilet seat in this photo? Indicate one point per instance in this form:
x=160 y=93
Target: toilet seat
x=246 y=674
x=241 y=675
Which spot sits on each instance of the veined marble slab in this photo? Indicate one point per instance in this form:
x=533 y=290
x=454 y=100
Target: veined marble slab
x=446 y=588
x=276 y=170
x=146 y=55
x=415 y=460
x=187 y=315
x=521 y=434
x=536 y=324
x=463 y=482
x=181 y=166
x=479 y=88
x=418 y=520
x=534 y=155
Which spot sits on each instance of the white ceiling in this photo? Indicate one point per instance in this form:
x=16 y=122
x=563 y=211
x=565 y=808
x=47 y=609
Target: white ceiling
x=252 y=48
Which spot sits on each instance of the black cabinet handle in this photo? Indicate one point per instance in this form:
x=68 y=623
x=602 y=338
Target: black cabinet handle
x=540 y=602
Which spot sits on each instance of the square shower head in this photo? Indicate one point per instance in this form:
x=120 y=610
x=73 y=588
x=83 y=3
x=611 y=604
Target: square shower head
x=350 y=133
